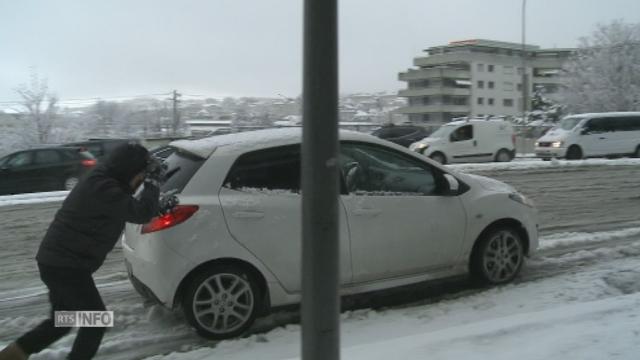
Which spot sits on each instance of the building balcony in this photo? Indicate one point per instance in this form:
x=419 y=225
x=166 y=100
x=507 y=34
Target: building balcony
x=423 y=74
x=555 y=80
x=435 y=108
x=435 y=91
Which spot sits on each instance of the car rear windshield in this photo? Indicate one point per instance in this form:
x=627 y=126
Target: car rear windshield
x=181 y=166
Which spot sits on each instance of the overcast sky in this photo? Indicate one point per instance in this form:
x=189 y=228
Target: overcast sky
x=114 y=48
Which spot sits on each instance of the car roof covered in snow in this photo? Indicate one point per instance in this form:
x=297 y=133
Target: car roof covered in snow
x=475 y=121
x=253 y=140
x=605 y=114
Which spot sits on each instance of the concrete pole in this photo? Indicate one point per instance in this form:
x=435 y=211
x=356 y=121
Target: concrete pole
x=525 y=82
x=320 y=183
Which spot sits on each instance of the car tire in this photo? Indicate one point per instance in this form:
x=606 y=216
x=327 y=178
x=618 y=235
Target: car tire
x=574 y=153
x=503 y=155
x=438 y=157
x=221 y=302
x=497 y=256
x=69 y=183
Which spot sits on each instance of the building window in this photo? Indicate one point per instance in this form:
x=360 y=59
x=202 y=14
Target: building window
x=491 y=84
x=480 y=67
x=507 y=102
x=480 y=101
x=519 y=87
x=480 y=84
x=490 y=101
x=508 y=86
x=490 y=68
x=508 y=70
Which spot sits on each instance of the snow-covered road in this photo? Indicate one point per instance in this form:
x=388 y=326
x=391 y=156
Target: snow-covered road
x=588 y=268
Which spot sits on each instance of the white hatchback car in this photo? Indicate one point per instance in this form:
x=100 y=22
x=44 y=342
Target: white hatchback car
x=232 y=248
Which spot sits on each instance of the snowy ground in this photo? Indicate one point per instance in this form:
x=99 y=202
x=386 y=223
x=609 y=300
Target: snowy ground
x=578 y=299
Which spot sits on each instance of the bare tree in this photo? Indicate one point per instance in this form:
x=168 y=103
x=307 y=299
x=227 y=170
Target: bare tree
x=40 y=105
x=604 y=74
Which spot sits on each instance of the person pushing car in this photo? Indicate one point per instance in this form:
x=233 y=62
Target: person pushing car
x=84 y=230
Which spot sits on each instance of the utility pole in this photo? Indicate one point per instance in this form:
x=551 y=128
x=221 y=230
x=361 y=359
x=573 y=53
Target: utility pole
x=176 y=115
x=320 y=183
x=525 y=83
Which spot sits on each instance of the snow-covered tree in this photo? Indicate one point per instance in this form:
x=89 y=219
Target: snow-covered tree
x=40 y=106
x=544 y=108
x=604 y=74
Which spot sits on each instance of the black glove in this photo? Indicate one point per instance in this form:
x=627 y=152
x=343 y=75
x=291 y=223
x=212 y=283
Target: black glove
x=168 y=201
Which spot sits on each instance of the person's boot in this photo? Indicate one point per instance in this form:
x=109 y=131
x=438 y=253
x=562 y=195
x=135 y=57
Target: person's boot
x=13 y=352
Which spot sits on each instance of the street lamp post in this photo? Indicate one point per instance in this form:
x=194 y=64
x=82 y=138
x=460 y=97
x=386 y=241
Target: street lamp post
x=525 y=83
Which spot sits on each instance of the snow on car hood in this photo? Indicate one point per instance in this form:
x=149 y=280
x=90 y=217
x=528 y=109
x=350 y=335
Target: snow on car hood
x=489 y=183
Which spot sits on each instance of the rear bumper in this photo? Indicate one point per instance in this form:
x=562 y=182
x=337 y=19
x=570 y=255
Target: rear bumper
x=155 y=271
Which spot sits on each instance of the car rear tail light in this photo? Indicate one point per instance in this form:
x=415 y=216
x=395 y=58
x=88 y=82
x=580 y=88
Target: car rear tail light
x=89 y=162
x=178 y=215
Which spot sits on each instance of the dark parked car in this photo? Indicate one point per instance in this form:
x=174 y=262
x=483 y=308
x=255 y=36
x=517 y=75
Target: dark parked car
x=44 y=169
x=404 y=135
x=100 y=147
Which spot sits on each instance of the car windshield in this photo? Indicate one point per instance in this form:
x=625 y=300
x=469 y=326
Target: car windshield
x=569 y=123
x=443 y=131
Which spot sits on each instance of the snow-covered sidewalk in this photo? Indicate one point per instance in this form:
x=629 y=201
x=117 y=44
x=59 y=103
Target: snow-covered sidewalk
x=33 y=198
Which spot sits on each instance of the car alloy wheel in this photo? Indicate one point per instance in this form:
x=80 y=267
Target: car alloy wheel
x=439 y=158
x=222 y=304
x=502 y=257
x=70 y=183
x=503 y=156
x=498 y=257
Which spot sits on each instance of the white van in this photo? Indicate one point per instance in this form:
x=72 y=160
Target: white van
x=474 y=140
x=591 y=135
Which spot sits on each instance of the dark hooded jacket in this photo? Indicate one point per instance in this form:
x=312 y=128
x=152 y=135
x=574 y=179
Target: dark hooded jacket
x=92 y=217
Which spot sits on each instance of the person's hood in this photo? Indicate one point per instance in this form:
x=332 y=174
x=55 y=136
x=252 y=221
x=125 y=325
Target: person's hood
x=125 y=162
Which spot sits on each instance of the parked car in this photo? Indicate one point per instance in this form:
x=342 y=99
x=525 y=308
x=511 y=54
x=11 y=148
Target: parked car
x=100 y=148
x=403 y=135
x=232 y=248
x=592 y=135
x=43 y=169
x=471 y=140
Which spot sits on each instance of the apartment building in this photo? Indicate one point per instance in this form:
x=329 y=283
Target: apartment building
x=477 y=78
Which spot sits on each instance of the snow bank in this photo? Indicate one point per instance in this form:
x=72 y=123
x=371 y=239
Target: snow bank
x=33 y=198
x=565 y=239
x=527 y=164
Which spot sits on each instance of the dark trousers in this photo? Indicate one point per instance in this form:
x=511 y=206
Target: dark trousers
x=69 y=290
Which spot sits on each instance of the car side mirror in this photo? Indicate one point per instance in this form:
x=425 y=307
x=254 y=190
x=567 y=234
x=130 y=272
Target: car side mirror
x=452 y=185
x=585 y=132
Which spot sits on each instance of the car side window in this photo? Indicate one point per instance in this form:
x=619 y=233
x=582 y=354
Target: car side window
x=269 y=169
x=47 y=157
x=372 y=170
x=595 y=125
x=19 y=160
x=462 y=133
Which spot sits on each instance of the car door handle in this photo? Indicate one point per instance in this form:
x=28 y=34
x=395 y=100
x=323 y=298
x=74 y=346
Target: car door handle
x=248 y=214
x=602 y=138
x=367 y=212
